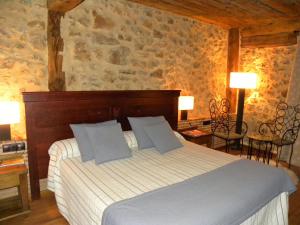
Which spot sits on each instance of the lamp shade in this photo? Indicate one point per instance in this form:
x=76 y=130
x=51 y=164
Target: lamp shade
x=186 y=102
x=9 y=113
x=243 y=80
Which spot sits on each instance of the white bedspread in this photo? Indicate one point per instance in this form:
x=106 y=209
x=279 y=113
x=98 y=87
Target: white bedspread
x=84 y=190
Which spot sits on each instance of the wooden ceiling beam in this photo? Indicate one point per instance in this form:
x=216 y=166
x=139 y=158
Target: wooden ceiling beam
x=62 y=5
x=287 y=7
x=274 y=27
x=272 y=40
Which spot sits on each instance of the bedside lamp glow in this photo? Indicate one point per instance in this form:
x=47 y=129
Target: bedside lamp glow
x=185 y=103
x=9 y=114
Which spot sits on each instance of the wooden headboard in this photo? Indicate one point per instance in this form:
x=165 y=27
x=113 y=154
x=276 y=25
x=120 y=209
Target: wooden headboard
x=48 y=115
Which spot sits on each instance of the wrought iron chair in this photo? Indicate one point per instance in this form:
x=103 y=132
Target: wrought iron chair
x=284 y=128
x=222 y=125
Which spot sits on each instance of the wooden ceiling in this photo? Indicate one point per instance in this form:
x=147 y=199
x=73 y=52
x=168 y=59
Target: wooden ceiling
x=254 y=16
x=261 y=23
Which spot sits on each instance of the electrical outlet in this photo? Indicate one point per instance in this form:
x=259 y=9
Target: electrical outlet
x=21 y=146
x=206 y=122
x=9 y=147
x=13 y=147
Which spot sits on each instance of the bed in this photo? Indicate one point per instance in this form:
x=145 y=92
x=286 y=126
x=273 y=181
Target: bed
x=83 y=191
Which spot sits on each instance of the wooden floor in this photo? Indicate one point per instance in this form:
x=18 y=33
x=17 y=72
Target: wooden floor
x=44 y=211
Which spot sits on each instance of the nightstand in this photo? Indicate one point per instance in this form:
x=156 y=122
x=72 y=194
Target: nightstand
x=197 y=136
x=13 y=174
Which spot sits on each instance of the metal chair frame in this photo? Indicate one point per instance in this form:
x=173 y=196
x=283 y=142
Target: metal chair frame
x=221 y=122
x=284 y=128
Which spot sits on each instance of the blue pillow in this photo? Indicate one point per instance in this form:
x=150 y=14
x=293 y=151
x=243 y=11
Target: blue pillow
x=163 y=137
x=138 y=124
x=108 y=143
x=83 y=142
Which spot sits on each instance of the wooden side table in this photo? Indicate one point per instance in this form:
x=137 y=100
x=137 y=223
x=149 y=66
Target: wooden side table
x=201 y=137
x=14 y=176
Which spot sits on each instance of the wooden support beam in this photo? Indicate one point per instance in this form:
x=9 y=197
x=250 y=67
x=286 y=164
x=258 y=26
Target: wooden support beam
x=56 y=77
x=232 y=64
x=62 y=5
x=273 y=40
x=274 y=27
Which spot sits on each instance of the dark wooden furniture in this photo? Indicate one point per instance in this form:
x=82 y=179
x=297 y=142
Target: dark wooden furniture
x=204 y=139
x=14 y=176
x=48 y=115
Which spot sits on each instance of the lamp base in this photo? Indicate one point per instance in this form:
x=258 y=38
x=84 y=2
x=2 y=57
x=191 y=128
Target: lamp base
x=5 y=132
x=239 y=116
x=184 y=115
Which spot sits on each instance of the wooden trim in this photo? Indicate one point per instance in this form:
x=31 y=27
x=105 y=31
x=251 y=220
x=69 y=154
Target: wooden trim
x=273 y=40
x=49 y=114
x=45 y=96
x=232 y=64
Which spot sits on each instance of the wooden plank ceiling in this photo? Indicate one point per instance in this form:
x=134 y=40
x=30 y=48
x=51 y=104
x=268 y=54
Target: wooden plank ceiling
x=231 y=13
x=253 y=17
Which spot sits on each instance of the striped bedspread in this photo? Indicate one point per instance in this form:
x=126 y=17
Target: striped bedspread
x=84 y=190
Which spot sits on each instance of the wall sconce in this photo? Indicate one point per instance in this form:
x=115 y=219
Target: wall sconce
x=242 y=81
x=9 y=114
x=185 y=103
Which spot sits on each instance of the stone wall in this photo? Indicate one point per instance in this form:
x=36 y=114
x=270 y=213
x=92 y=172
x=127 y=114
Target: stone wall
x=273 y=67
x=23 y=52
x=117 y=44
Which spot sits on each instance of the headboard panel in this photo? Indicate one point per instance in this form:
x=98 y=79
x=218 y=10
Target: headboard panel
x=48 y=115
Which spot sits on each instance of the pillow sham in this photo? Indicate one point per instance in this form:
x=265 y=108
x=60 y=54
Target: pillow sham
x=138 y=124
x=163 y=137
x=68 y=148
x=79 y=131
x=108 y=143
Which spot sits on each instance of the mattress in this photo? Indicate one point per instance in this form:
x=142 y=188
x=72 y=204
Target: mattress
x=84 y=190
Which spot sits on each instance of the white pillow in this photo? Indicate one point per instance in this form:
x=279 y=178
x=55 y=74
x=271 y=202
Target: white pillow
x=179 y=136
x=130 y=139
x=68 y=148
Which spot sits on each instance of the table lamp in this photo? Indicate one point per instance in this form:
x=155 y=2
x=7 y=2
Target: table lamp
x=242 y=81
x=9 y=114
x=185 y=103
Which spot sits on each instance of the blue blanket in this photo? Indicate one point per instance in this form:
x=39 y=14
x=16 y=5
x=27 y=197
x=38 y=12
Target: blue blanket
x=225 y=196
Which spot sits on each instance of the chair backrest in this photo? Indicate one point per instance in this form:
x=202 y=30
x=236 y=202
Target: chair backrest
x=219 y=114
x=287 y=122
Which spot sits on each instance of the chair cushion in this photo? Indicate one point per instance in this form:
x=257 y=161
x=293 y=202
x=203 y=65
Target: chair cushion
x=231 y=136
